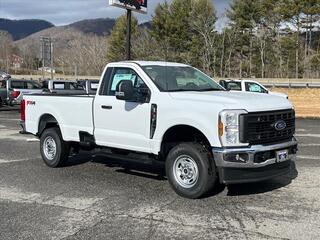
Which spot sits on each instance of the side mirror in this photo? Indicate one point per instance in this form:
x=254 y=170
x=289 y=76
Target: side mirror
x=125 y=90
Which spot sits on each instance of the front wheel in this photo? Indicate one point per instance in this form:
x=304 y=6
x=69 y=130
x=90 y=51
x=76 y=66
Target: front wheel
x=190 y=170
x=53 y=149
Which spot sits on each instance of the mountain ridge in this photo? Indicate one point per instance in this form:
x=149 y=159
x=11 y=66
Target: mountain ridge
x=20 y=29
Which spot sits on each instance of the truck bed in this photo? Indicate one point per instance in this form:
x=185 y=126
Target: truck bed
x=72 y=112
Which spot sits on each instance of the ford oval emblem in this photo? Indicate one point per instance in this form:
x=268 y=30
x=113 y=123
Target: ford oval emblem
x=280 y=125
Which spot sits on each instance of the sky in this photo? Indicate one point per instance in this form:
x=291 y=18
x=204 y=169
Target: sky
x=62 y=12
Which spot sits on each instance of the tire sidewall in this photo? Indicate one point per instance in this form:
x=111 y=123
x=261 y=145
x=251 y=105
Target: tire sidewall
x=55 y=134
x=202 y=159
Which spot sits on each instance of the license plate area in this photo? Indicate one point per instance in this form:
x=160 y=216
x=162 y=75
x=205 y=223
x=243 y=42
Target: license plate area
x=282 y=155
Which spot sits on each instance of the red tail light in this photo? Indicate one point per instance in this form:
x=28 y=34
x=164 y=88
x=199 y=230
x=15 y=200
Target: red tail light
x=23 y=110
x=15 y=94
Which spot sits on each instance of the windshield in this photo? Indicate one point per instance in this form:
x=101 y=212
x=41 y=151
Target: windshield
x=180 y=78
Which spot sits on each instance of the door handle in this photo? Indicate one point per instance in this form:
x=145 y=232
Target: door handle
x=106 y=107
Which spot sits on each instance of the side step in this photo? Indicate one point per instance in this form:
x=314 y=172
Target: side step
x=129 y=155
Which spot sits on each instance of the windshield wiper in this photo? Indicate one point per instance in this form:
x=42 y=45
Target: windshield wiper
x=182 y=90
x=209 y=89
x=195 y=90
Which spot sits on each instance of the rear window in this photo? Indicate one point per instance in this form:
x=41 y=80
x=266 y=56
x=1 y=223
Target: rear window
x=67 y=86
x=94 y=85
x=75 y=86
x=236 y=86
x=17 y=84
x=33 y=85
x=58 y=86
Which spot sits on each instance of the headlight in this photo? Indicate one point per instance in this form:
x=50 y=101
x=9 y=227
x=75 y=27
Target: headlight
x=229 y=127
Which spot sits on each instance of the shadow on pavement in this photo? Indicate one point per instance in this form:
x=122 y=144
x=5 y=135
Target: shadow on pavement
x=9 y=109
x=156 y=170
x=264 y=186
x=148 y=169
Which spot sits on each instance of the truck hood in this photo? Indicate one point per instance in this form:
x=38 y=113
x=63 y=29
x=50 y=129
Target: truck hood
x=278 y=94
x=236 y=100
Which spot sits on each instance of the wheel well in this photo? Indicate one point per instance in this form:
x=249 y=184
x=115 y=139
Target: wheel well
x=182 y=133
x=46 y=121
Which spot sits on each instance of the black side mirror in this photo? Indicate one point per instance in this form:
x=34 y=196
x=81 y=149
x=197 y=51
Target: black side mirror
x=125 y=90
x=224 y=84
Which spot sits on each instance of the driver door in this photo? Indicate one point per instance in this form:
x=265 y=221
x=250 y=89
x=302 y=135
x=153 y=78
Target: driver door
x=118 y=123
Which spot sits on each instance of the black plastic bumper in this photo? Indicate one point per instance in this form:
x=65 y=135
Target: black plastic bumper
x=230 y=175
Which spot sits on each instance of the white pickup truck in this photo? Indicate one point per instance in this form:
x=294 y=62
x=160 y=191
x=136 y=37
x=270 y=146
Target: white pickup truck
x=245 y=85
x=173 y=113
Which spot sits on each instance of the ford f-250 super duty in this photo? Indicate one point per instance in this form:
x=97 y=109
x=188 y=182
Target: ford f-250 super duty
x=173 y=113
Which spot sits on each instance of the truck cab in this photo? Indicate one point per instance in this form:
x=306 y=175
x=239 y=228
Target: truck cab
x=248 y=86
x=172 y=113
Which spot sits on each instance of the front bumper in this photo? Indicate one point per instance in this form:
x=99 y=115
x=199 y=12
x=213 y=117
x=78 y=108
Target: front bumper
x=260 y=162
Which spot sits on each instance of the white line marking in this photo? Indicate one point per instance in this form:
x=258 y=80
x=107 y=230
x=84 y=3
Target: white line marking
x=308 y=144
x=311 y=157
x=308 y=135
x=33 y=140
x=300 y=130
x=2 y=126
x=10 y=119
x=13 y=160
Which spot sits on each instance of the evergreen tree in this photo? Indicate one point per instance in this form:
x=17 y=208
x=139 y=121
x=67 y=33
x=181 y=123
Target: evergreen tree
x=184 y=31
x=117 y=41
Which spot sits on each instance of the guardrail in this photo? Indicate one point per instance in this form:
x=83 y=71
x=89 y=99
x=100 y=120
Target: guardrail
x=292 y=85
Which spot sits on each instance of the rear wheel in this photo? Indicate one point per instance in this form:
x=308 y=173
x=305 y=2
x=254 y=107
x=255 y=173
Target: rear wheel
x=53 y=149
x=190 y=170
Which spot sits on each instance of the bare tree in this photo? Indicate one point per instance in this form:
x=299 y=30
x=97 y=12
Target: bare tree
x=6 y=46
x=86 y=53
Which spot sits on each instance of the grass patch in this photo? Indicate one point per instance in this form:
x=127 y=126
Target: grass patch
x=305 y=100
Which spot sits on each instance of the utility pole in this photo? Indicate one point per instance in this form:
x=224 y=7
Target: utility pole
x=46 y=55
x=76 y=71
x=42 y=58
x=139 y=6
x=128 y=47
x=51 y=56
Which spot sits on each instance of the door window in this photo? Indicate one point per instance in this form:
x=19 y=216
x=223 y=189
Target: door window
x=254 y=87
x=120 y=74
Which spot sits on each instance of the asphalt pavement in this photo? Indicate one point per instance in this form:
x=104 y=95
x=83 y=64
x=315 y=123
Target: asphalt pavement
x=98 y=197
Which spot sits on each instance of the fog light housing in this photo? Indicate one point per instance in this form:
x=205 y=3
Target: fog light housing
x=236 y=157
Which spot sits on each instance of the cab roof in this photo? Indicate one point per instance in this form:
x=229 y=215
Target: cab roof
x=157 y=63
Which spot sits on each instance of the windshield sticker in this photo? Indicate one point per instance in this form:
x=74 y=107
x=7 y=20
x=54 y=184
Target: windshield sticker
x=119 y=77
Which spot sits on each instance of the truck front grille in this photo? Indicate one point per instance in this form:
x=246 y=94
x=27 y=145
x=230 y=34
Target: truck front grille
x=260 y=127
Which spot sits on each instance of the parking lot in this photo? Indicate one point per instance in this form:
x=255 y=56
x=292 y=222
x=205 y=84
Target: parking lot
x=97 y=197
